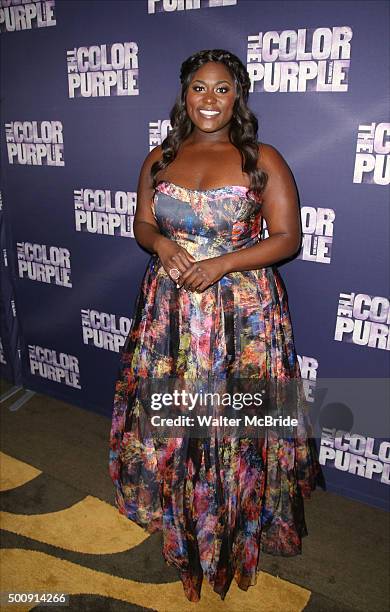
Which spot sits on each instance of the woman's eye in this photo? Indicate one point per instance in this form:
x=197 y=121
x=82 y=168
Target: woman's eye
x=199 y=87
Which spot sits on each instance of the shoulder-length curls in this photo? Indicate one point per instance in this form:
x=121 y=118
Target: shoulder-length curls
x=243 y=125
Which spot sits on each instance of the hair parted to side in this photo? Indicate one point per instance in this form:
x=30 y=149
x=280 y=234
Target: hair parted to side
x=243 y=125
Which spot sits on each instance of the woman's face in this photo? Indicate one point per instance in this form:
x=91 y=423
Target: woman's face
x=210 y=97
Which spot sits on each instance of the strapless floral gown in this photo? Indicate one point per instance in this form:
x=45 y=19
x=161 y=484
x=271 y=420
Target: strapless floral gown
x=218 y=504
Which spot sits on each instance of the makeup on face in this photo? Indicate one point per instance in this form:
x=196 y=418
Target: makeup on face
x=210 y=96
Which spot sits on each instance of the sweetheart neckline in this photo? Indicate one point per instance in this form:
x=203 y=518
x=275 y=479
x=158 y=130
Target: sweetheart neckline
x=202 y=190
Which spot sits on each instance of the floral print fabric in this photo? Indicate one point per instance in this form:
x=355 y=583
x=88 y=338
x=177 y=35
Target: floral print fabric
x=219 y=503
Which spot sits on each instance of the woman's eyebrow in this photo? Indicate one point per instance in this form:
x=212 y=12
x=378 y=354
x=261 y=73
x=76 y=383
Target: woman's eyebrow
x=217 y=82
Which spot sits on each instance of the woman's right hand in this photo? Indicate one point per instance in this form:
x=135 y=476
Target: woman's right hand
x=173 y=255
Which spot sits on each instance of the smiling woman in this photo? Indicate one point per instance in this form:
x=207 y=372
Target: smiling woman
x=213 y=307
x=212 y=100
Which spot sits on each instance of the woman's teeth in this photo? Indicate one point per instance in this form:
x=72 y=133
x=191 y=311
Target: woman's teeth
x=207 y=113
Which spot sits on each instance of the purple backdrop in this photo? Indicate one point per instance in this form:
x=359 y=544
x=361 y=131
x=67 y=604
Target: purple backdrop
x=87 y=87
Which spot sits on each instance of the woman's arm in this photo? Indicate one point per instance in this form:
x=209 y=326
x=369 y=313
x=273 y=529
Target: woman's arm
x=281 y=212
x=146 y=229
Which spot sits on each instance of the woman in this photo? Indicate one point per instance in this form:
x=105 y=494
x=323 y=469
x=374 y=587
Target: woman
x=212 y=303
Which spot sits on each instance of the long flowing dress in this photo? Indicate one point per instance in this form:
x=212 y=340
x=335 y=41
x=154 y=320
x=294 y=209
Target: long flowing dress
x=217 y=502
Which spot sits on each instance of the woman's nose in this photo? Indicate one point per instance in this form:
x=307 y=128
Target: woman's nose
x=210 y=97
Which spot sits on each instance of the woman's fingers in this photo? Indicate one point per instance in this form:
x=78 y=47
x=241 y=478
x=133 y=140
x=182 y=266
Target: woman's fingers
x=187 y=257
x=178 y=262
x=196 y=284
x=192 y=278
x=183 y=260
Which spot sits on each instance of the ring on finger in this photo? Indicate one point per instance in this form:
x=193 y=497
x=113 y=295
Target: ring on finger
x=174 y=273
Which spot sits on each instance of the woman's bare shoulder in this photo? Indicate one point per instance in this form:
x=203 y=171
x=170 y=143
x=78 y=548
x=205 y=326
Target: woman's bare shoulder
x=154 y=155
x=269 y=158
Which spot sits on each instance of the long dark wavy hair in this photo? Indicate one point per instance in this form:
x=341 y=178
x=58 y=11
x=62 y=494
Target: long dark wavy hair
x=243 y=125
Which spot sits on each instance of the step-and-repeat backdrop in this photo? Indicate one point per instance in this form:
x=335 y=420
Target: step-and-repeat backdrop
x=87 y=87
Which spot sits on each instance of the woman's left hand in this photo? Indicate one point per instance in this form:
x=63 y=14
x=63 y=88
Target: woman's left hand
x=202 y=274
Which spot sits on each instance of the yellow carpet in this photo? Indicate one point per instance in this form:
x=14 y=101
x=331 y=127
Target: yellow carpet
x=14 y=473
x=90 y=526
x=93 y=527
